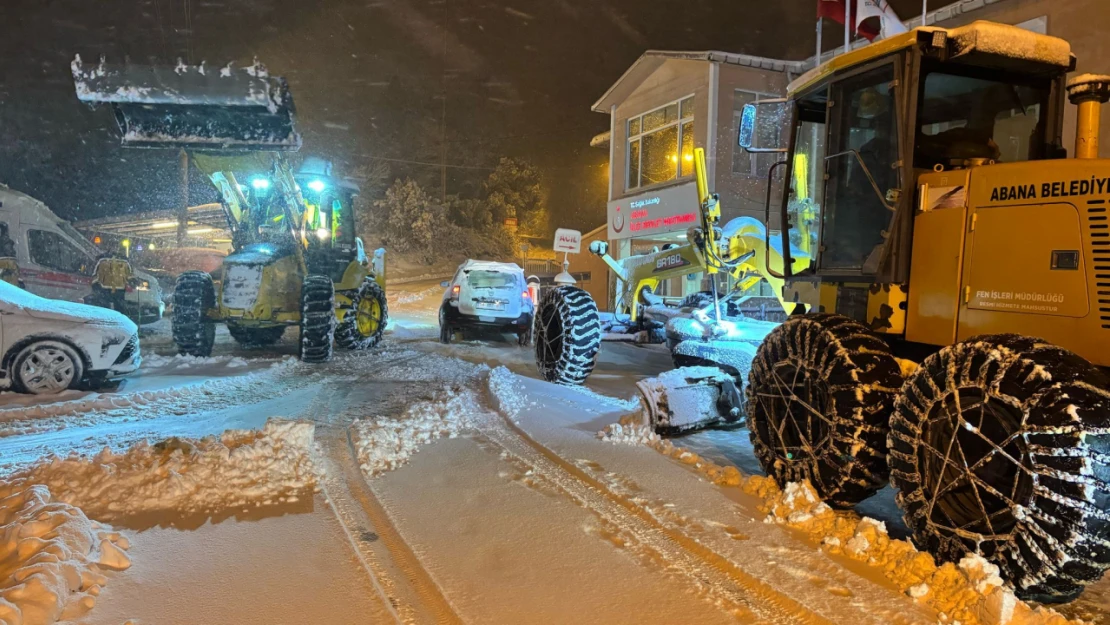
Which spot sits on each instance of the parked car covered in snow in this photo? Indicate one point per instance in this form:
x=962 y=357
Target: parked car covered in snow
x=490 y=295
x=57 y=262
x=49 y=346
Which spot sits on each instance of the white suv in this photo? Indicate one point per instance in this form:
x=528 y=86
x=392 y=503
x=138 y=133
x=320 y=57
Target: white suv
x=49 y=346
x=485 y=294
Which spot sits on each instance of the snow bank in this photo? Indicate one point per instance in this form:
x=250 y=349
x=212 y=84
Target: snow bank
x=508 y=393
x=411 y=297
x=969 y=593
x=385 y=443
x=113 y=401
x=51 y=557
x=206 y=476
x=179 y=361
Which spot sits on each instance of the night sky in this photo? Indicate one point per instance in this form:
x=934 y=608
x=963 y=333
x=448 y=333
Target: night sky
x=367 y=77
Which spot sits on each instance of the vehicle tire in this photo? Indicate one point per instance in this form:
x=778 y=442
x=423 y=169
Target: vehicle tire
x=255 y=337
x=446 y=332
x=524 y=339
x=193 y=333
x=317 y=319
x=820 y=393
x=567 y=335
x=46 y=368
x=363 y=326
x=1000 y=446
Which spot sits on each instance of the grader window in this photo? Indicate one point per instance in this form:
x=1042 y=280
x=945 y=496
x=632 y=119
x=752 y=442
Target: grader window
x=965 y=117
x=863 y=128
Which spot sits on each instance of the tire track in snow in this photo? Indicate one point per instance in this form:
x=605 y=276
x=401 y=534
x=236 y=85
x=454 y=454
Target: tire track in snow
x=405 y=587
x=750 y=598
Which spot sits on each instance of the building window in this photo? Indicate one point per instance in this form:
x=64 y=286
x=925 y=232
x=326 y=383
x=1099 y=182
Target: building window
x=661 y=144
x=744 y=162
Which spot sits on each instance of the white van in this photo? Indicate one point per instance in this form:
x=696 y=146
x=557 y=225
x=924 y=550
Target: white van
x=57 y=262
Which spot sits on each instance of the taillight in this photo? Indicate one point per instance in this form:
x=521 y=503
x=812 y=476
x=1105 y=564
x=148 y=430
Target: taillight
x=527 y=295
x=455 y=291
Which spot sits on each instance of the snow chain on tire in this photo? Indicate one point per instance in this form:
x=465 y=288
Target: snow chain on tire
x=194 y=295
x=317 y=318
x=820 y=393
x=567 y=335
x=255 y=337
x=347 y=334
x=1000 y=445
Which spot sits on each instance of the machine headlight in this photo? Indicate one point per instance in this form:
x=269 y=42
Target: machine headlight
x=323 y=234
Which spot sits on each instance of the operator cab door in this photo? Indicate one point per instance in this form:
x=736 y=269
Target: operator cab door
x=861 y=172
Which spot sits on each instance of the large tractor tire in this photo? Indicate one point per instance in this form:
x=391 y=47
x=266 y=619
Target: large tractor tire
x=364 y=324
x=317 y=319
x=193 y=333
x=820 y=392
x=567 y=335
x=1000 y=445
x=255 y=337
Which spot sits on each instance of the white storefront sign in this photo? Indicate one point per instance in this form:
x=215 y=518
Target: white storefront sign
x=670 y=209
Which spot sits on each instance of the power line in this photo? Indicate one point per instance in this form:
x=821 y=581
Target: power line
x=411 y=162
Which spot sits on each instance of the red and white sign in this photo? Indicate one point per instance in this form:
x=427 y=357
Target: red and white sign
x=568 y=241
x=670 y=209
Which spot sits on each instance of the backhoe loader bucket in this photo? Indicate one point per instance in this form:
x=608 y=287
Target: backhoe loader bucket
x=193 y=107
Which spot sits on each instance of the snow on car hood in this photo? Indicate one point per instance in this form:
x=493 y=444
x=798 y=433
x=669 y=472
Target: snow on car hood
x=57 y=310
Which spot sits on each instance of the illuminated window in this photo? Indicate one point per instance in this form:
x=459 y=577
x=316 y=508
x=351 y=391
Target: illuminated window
x=744 y=162
x=661 y=144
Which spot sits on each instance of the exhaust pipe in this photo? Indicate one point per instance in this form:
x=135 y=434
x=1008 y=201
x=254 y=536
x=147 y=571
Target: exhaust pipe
x=1088 y=92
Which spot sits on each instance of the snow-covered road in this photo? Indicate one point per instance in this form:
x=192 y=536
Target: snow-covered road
x=451 y=486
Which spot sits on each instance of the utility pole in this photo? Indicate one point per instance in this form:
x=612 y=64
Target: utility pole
x=183 y=208
x=443 y=117
x=848 y=26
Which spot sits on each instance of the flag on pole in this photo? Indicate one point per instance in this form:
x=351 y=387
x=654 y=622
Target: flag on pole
x=875 y=18
x=832 y=9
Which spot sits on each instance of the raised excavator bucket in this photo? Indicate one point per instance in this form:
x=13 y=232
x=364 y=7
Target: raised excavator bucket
x=193 y=107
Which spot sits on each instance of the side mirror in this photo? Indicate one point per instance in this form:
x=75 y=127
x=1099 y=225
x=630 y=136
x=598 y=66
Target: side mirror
x=762 y=124
x=445 y=284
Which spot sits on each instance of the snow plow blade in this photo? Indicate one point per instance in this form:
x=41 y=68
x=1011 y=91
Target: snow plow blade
x=689 y=398
x=193 y=107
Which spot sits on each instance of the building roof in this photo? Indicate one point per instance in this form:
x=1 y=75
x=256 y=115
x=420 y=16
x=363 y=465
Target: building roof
x=206 y=221
x=653 y=59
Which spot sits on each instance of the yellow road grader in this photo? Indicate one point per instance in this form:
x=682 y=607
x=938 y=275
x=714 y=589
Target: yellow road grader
x=296 y=260
x=950 y=331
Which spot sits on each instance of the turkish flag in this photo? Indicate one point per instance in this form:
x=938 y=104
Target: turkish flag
x=876 y=17
x=835 y=10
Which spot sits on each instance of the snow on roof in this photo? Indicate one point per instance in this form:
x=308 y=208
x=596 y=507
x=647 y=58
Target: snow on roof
x=1011 y=42
x=32 y=304
x=489 y=265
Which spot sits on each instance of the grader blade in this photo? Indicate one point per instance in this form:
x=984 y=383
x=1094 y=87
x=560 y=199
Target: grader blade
x=193 y=107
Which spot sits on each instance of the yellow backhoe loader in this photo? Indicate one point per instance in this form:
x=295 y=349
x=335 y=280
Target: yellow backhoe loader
x=296 y=259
